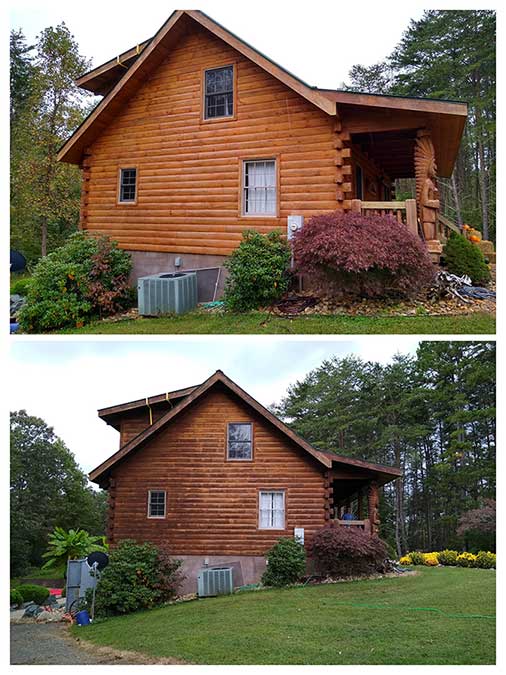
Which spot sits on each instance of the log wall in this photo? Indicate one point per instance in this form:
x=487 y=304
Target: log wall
x=189 y=169
x=212 y=503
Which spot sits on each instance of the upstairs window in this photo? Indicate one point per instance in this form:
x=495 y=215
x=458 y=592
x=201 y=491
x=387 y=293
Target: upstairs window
x=156 y=504
x=239 y=441
x=128 y=185
x=219 y=93
x=259 y=187
x=272 y=510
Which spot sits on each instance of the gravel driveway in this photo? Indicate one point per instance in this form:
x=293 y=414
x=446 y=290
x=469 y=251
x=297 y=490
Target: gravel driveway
x=50 y=644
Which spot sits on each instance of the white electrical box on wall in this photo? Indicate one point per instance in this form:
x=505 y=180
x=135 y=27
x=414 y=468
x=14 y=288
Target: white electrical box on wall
x=298 y=534
x=294 y=224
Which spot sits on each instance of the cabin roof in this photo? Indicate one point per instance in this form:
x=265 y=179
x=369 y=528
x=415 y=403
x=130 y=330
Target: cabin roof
x=118 y=78
x=328 y=459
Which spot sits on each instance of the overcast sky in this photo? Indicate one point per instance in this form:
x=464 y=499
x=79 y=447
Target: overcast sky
x=318 y=41
x=65 y=381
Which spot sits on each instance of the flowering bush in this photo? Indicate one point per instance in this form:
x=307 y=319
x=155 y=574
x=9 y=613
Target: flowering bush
x=485 y=560
x=405 y=560
x=368 y=256
x=431 y=559
x=347 y=551
x=86 y=277
x=447 y=557
x=466 y=559
x=416 y=558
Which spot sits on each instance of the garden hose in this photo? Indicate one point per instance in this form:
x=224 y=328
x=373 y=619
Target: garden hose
x=364 y=605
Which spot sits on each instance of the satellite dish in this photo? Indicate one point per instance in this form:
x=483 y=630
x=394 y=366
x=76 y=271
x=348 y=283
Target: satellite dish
x=98 y=559
x=18 y=261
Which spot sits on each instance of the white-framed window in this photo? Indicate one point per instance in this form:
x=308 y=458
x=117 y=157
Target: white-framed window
x=272 y=509
x=219 y=92
x=259 y=187
x=128 y=185
x=156 y=503
x=240 y=440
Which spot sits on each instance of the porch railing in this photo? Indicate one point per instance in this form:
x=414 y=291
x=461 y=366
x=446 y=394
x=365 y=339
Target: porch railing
x=405 y=212
x=362 y=524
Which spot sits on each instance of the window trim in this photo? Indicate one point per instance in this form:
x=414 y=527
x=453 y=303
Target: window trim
x=223 y=118
x=271 y=490
x=133 y=202
x=149 y=516
x=239 y=459
x=242 y=175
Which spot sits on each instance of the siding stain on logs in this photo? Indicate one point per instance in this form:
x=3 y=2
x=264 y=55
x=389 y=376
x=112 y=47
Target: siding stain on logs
x=188 y=170
x=212 y=503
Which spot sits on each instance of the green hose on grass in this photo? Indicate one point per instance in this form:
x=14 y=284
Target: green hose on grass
x=364 y=605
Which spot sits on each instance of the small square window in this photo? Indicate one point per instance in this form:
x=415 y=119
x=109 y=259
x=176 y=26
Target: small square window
x=239 y=441
x=156 y=504
x=219 y=93
x=128 y=185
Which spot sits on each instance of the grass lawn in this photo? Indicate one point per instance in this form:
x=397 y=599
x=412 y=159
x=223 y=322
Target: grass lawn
x=39 y=573
x=430 y=618
x=259 y=322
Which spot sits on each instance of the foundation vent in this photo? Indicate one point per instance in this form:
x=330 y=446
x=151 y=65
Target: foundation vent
x=170 y=293
x=216 y=581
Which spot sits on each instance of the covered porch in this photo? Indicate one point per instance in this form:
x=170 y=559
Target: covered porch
x=384 y=138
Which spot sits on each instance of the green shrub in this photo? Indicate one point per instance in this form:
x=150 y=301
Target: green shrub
x=486 y=560
x=447 y=557
x=417 y=558
x=20 y=286
x=138 y=576
x=86 y=277
x=463 y=257
x=38 y=594
x=16 y=597
x=286 y=563
x=258 y=271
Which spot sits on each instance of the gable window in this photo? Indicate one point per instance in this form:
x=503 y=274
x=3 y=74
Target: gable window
x=259 y=187
x=128 y=185
x=219 y=93
x=239 y=441
x=359 y=182
x=272 y=510
x=156 y=504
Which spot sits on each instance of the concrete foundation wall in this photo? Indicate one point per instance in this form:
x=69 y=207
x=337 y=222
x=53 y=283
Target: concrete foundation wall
x=246 y=569
x=145 y=263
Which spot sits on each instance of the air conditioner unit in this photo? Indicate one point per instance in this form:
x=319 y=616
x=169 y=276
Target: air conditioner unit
x=167 y=293
x=217 y=581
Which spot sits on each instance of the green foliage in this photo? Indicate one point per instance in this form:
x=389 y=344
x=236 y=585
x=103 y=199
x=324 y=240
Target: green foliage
x=47 y=489
x=463 y=257
x=39 y=594
x=286 y=563
x=486 y=560
x=84 y=278
x=64 y=546
x=258 y=271
x=448 y=557
x=416 y=557
x=46 y=107
x=138 y=576
x=16 y=597
x=20 y=286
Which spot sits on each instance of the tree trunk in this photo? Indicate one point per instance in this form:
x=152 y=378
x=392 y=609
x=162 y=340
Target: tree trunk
x=456 y=201
x=43 y=238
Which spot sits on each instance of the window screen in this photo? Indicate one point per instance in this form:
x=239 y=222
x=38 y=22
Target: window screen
x=219 y=92
x=239 y=441
x=259 y=187
x=156 y=504
x=272 y=510
x=128 y=185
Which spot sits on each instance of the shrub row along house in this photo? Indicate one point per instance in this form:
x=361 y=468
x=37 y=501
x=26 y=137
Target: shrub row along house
x=213 y=477
x=199 y=136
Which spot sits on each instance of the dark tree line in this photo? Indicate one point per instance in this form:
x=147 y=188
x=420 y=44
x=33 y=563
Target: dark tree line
x=433 y=415
x=450 y=54
x=47 y=489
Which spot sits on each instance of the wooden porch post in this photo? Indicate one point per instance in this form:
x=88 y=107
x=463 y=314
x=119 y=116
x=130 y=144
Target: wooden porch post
x=373 y=507
x=411 y=216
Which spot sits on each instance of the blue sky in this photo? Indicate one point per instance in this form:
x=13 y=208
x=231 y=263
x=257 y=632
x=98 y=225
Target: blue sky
x=65 y=381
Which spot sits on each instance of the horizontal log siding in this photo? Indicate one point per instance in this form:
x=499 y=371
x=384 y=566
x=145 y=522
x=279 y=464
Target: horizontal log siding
x=212 y=505
x=188 y=170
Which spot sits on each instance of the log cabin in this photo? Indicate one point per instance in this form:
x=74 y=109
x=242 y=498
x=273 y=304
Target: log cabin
x=199 y=136
x=215 y=478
